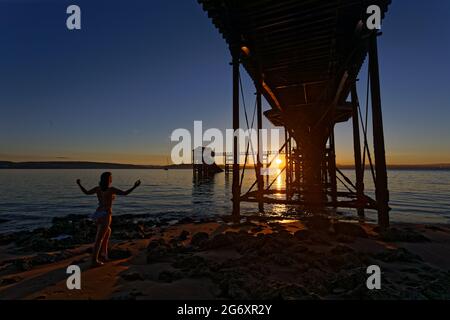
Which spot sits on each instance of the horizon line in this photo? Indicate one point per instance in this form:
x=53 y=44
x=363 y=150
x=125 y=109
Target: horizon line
x=172 y=164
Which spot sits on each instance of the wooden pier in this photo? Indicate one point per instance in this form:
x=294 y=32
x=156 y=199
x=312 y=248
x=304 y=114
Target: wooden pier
x=304 y=58
x=204 y=168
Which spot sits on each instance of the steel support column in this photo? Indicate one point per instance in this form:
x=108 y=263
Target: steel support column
x=289 y=167
x=381 y=183
x=332 y=167
x=259 y=155
x=286 y=171
x=359 y=170
x=235 y=184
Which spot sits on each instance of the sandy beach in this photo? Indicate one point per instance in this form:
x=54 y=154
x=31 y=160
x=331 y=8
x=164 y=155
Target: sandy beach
x=315 y=258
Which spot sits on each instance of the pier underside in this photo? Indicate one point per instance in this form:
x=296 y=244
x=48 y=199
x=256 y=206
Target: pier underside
x=304 y=58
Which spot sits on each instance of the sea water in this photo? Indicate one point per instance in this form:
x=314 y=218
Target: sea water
x=31 y=198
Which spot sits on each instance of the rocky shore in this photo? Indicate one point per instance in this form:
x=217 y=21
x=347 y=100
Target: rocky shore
x=315 y=258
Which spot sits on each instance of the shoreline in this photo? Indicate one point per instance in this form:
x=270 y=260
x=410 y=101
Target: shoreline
x=161 y=220
x=315 y=258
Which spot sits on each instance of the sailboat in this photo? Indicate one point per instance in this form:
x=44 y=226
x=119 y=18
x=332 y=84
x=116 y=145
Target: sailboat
x=166 y=168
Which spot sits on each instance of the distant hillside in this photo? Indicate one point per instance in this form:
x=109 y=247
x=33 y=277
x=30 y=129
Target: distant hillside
x=444 y=166
x=112 y=166
x=81 y=165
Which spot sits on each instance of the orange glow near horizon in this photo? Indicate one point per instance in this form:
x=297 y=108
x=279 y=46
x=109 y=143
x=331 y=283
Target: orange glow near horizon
x=342 y=158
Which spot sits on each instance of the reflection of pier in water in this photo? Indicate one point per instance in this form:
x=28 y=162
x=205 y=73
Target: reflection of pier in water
x=203 y=191
x=304 y=58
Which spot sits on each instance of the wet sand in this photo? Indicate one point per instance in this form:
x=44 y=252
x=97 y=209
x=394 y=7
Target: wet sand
x=315 y=258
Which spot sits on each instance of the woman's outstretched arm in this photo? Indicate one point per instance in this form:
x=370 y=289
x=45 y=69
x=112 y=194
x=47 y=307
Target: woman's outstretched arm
x=125 y=193
x=87 y=192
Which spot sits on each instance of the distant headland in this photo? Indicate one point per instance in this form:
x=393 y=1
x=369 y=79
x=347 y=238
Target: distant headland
x=83 y=165
x=115 y=166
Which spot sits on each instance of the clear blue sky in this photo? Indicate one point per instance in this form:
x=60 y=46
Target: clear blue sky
x=137 y=70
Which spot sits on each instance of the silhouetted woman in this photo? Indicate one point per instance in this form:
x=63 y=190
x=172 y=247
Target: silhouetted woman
x=102 y=216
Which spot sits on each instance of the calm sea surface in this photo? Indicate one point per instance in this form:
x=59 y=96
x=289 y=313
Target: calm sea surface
x=31 y=198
